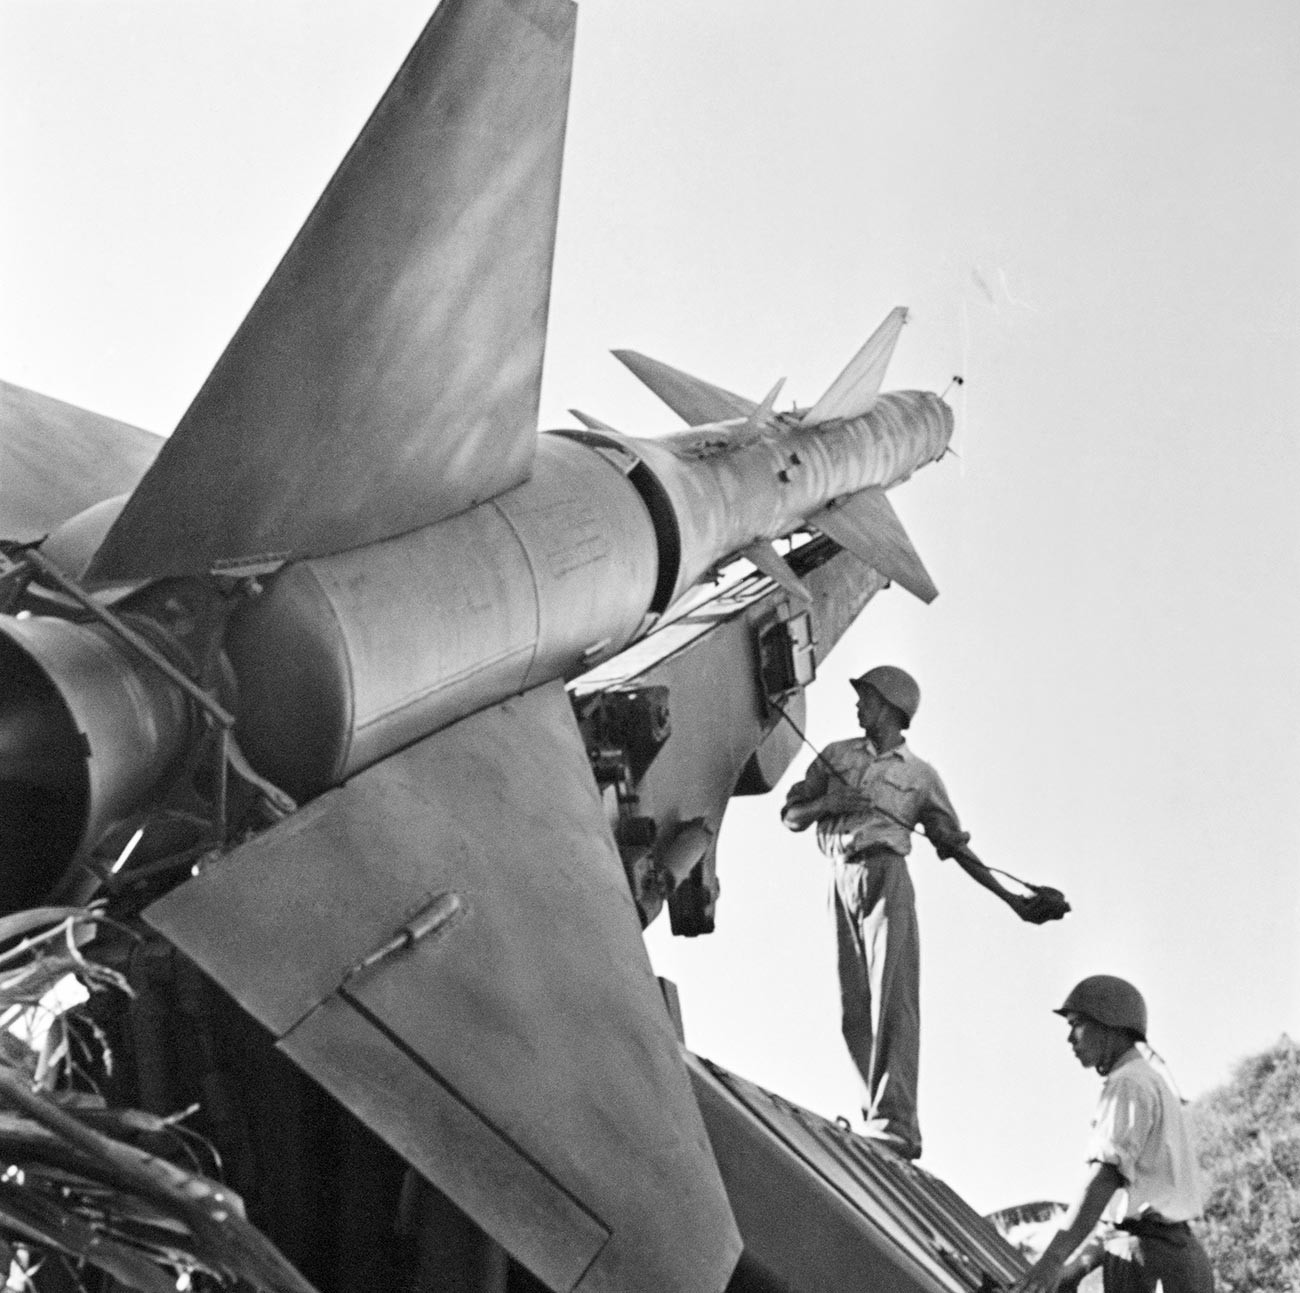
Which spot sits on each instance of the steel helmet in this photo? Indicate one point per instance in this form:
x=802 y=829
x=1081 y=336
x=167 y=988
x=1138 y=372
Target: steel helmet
x=1110 y=1001
x=896 y=685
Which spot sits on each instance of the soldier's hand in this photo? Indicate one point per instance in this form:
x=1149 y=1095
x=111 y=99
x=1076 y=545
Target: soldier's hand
x=1044 y=904
x=798 y=816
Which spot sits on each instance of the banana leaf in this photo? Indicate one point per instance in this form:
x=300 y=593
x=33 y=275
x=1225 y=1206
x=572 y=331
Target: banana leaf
x=221 y=1239
x=43 y=1221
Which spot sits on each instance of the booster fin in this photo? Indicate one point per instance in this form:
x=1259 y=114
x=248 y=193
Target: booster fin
x=56 y=460
x=497 y=1022
x=388 y=375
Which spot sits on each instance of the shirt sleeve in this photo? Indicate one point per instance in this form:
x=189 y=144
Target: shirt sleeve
x=939 y=817
x=1125 y=1117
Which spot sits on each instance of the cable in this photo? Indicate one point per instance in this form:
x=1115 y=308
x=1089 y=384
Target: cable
x=876 y=808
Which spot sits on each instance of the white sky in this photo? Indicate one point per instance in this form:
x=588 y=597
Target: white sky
x=1092 y=211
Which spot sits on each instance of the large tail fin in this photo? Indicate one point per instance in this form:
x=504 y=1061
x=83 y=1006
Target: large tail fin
x=510 y=1041
x=388 y=375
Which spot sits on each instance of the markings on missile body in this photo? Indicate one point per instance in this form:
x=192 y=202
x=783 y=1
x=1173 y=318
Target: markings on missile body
x=578 y=541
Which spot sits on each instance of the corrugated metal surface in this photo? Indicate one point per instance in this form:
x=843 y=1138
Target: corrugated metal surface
x=821 y=1209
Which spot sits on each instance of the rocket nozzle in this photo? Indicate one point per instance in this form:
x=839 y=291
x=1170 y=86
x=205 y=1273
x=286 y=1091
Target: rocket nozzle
x=87 y=730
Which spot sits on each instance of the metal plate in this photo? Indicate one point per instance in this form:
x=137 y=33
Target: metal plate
x=882 y=1222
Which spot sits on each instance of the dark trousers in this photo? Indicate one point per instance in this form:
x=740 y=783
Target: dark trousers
x=1146 y=1256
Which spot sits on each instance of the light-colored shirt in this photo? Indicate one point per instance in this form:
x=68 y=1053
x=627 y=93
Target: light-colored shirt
x=899 y=791
x=1140 y=1130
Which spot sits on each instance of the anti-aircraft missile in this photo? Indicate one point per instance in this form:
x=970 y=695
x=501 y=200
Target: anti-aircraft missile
x=355 y=575
x=337 y=661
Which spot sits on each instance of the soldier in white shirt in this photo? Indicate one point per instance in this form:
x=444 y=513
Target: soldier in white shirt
x=865 y=796
x=1144 y=1181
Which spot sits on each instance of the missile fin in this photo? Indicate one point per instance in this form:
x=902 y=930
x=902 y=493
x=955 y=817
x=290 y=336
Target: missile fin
x=591 y=423
x=454 y=954
x=695 y=401
x=761 y=417
x=866 y=525
x=855 y=390
x=56 y=460
x=767 y=559
x=389 y=373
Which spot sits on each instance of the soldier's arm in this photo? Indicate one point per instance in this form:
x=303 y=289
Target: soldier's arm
x=943 y=830
x=803 y=799
x=1046 y=1274
x=950 y=842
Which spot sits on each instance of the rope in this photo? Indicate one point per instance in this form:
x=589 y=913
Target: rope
x=876 y=808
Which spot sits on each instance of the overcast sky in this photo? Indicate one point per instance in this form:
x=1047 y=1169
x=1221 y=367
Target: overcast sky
x=1091 y=211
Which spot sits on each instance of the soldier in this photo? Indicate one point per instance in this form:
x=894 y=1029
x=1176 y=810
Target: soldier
x=1144 y=1180
x=866 y=795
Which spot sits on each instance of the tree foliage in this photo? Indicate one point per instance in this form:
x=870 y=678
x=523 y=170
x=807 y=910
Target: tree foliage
x=1249 y=1134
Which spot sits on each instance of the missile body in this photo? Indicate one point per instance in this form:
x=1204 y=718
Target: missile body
x=730 y=486
x=348 y=658
x=343 y=659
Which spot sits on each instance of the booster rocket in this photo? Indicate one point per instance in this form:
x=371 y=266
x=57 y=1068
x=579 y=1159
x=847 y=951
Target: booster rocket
x=337 y=661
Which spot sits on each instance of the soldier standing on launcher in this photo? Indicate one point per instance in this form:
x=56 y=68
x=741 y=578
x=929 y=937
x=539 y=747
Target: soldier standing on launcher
x=866 y=795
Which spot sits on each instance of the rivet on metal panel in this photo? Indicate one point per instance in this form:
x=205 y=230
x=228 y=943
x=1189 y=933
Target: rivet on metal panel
x=433 y=918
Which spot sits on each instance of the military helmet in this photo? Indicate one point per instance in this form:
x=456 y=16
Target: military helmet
x=896 y=685
x=1110 y=1001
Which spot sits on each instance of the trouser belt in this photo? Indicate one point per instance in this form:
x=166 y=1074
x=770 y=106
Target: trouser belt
x=871 y=851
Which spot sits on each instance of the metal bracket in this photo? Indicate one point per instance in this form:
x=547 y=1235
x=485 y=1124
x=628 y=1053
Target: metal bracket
x=624 y=725
x=49 y=570
x=431 y=919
